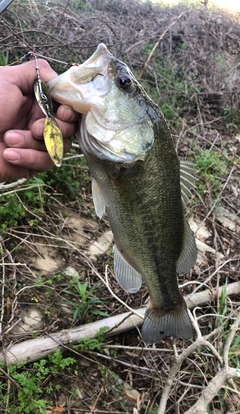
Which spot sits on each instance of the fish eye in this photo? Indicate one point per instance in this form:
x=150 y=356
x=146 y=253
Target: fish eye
x=124 y=81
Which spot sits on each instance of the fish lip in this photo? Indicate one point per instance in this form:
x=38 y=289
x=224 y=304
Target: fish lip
x=100 y=52
x=63 y=87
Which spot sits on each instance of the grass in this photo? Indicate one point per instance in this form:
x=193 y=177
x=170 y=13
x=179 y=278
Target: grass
x=212 y=167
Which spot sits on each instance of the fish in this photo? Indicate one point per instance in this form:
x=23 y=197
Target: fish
x=139 y=181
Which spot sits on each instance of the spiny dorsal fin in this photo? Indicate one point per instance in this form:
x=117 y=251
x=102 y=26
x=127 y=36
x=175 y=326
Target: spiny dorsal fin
x=188 y=254
x=98 y=199
x=188 y=176
x=128 y=278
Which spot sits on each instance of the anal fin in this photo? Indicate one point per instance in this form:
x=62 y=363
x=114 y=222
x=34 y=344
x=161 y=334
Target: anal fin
x=128 y=278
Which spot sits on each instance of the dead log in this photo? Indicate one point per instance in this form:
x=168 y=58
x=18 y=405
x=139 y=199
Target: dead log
x=37 y=348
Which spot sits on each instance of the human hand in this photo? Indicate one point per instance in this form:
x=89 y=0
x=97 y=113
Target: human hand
x=22 y=150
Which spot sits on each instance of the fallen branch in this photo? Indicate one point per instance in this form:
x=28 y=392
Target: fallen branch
x=37 y=348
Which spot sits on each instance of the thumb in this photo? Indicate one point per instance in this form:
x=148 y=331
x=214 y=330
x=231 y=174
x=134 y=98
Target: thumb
x=25 y=74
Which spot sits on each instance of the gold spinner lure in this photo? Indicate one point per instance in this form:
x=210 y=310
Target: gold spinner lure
x=51 y=133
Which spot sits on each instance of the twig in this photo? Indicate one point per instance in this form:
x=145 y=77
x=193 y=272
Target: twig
x=212 y=389
x=229 y=340
x=157 y=43
x=208 y=393
x=4 y=186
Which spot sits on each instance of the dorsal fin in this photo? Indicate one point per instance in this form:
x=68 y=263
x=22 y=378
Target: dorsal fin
x=98 y=199
x=188 y=254
x=128 y=278
x=188 y=176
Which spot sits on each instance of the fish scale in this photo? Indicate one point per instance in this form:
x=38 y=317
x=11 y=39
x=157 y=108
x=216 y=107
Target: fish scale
x=136 y=180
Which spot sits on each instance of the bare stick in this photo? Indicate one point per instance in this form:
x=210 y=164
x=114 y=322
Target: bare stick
x=157 y=43
x=212 y=389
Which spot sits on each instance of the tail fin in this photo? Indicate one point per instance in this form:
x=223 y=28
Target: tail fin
x=176 y=324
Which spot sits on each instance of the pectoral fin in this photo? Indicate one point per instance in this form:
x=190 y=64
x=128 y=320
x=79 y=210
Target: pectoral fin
x=98 y=199
x=188 y=254
x=128 y=278
x=188 y=176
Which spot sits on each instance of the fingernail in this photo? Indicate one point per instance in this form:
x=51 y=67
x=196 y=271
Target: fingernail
x=13 y=138
x=68 y=114
x=11 y=155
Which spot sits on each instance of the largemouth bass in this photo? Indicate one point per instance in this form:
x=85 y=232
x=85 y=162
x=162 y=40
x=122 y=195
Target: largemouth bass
x=136 y=179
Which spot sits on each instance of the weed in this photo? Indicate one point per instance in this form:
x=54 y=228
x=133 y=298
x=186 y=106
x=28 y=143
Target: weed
x=58 y=362
x=231 y=118
x=66 y=180
x=80 y=5
x=211 y=166
x=28 y=390
x=169 y=85
x=153 y=410
x=83 y=303
x=92 y=344
x=19 y=204
x=3 y=60
x=26 y=204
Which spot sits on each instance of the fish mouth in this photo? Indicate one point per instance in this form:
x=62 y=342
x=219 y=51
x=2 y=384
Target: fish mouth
x=78 y=85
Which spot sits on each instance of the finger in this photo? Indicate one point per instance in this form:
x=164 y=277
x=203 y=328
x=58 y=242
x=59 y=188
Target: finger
x=32 y=158
x=23 y=139
x=67 y=114
x=10 y=171
x=28 y=159
x=67 y=129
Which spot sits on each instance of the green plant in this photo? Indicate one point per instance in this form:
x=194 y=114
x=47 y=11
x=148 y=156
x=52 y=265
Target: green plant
x=59 y=362
x=211 y=166
x=169 y=84
x=80 y=5
x=69 y=179
x=231 y=118
x=223 y=312
x=27 y=201
x=3 y=60
x=27 y=388
x=83 y=303
x=92 y=344
x=153 y=410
